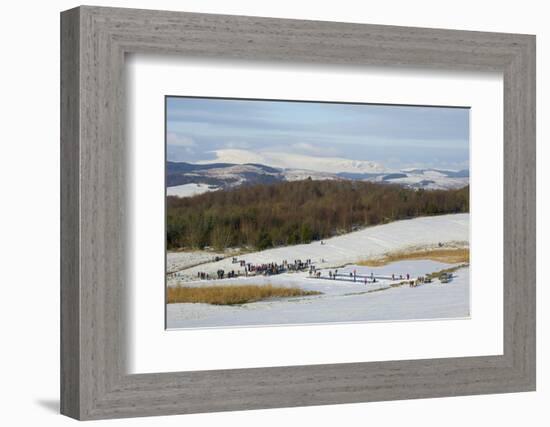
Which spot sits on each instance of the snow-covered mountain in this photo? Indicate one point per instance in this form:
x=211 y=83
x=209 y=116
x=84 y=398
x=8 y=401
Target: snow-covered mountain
x=187 y=179
x=295 y=161
x=226 y=175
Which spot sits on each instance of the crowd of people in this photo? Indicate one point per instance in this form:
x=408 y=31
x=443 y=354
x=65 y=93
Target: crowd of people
x=264 y=269
x=267 y=269
x=353 y=276
x=221 y=274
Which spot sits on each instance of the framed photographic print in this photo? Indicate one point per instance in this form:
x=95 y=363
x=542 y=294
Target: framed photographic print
x=278 y=222
x=345 y=212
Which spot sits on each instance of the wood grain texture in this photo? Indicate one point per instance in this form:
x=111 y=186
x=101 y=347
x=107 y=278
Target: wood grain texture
x=70 y=292
x=94 y=267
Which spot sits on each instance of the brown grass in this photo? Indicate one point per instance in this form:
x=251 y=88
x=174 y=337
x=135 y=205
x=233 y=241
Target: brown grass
x=231 y=295
x=451 y=256
x=438 y=274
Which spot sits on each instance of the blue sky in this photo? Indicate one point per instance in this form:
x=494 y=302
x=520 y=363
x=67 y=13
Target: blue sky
x=199 y=129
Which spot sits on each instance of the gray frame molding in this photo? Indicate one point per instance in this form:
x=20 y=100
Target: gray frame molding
x=94 y=41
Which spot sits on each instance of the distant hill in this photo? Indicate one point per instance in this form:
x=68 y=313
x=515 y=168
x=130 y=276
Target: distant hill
x=227 y=175
x=428 y=179
x=465 y=173
x=215 y=176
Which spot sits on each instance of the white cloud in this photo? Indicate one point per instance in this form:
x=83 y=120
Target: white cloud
x=304 y=146
x=173 y=138
x=307 y=148
x=237 y=144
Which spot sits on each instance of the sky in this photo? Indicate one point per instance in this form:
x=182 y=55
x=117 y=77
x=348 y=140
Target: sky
x=203 y=130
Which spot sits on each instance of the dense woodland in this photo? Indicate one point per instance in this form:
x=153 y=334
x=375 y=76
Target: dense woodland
x=288 y=213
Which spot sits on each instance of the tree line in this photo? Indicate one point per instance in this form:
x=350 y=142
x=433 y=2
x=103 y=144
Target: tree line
x=288 y=213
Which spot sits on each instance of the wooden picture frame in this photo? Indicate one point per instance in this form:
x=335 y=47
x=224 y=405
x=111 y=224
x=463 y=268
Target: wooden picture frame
x=94 y=382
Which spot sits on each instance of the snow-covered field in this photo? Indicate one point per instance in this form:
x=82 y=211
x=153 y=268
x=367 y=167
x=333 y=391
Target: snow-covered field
x=341 y=301
x=176 y=261
x=188 y=190
x=369 y=242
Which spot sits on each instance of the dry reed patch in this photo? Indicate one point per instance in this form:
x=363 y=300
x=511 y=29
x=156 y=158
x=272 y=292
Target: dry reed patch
x=450 y=256
x=231 y=295
x=438 y=274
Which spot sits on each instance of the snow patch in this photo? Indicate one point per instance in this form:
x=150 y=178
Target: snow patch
x=189 y=190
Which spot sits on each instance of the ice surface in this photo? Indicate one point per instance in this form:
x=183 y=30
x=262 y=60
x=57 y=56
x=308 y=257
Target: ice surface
x=340 y=302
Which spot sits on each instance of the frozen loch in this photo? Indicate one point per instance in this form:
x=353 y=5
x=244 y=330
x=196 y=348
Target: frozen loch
x=349 y=292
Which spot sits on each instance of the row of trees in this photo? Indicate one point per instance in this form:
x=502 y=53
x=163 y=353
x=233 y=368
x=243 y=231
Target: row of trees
x=288 y=213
